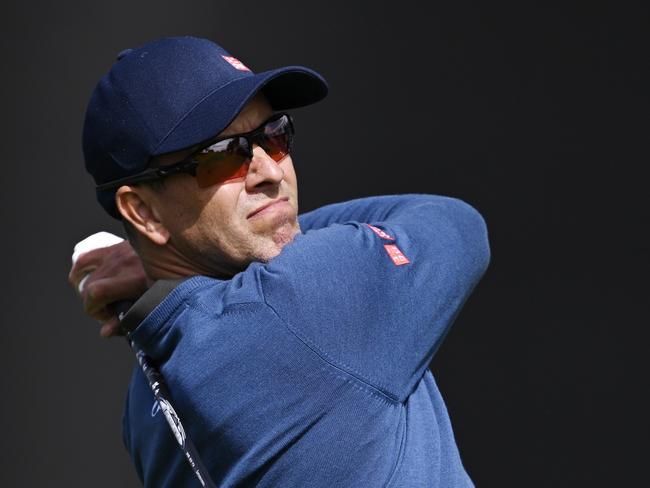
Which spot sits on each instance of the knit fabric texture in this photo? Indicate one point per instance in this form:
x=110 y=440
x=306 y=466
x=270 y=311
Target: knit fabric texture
x=311 y=370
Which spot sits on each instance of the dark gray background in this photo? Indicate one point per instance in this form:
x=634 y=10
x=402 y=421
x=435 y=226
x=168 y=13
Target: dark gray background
x=535 y=114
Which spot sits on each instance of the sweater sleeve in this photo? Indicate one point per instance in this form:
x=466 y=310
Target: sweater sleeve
x=373 y=284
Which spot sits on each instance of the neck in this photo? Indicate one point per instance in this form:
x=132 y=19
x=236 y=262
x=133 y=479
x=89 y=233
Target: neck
x=166 y=262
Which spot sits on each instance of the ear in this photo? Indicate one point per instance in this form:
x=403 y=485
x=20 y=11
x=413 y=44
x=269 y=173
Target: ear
x=137 y=205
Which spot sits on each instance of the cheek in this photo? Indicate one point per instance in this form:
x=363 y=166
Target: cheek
x=219 y=218
x=290 y=179
x=193 y=212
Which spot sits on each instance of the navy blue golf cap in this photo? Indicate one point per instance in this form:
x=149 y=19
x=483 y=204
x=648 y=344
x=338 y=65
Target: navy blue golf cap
x=174 y=93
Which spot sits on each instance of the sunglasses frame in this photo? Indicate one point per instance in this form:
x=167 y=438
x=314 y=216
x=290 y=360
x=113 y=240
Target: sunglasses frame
x=189 y=164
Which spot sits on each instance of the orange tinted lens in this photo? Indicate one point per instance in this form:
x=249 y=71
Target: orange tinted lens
x=276 y=146
x=275 y=139
x=223 y=161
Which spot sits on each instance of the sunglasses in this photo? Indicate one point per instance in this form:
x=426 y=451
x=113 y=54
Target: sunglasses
x=224 y=159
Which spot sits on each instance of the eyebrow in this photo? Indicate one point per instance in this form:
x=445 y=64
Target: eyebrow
x=209 y=142
x=221 y=135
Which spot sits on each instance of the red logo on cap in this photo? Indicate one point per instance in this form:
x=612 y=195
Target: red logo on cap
x=396 y=255
x=235 y=63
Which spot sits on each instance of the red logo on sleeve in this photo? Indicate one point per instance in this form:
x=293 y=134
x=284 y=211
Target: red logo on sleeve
x=380 y=232
x=396 y=255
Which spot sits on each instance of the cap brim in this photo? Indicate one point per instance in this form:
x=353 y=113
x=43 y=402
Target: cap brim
x=285 y=88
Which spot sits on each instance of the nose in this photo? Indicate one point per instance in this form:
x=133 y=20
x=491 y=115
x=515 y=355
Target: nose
x=262 y=171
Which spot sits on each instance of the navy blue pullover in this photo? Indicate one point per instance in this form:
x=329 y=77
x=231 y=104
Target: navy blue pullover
x=311 y=370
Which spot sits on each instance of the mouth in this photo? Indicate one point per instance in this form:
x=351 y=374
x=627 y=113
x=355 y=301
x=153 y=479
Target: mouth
x=268 y=206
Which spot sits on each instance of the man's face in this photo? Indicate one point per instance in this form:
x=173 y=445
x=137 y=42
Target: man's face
x=217 y=229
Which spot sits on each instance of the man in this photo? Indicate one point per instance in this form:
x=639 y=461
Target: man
x=297 y=347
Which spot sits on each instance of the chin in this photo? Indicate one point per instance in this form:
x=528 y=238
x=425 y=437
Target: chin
x=273 y=245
